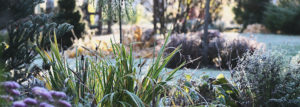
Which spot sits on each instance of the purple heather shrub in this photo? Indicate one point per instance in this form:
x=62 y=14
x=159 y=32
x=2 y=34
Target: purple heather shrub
x=30 y=101
x=11 y=85
x=14 y=92
x=58 y=95
x=64 y=103
x=44 y=104
x=19 y=104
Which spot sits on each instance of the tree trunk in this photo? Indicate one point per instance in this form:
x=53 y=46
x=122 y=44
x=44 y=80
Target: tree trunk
x=120 y=20
x=205 y=36
x=206 y=20
x=183 y=28
x=155 y=15
x=162 y=16
x=176 y=18
x=100 y=20
x=109 y=22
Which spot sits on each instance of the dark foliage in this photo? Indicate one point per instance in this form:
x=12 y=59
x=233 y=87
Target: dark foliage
x=275 y=17
x=283 y=17
x=250 y=11
x=292 y=26
x=67 y=14
x=25 y=31
x=13 y=10
x=23 y=37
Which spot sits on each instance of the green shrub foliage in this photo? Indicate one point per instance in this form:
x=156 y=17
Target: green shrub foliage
x=267 y=79
x=66 y=14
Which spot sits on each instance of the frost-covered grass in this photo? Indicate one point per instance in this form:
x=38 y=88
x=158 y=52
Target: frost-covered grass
x=289 y=43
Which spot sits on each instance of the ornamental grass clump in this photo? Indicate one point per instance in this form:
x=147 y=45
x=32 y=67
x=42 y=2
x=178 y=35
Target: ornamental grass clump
x=267 y=79
x=108 y=82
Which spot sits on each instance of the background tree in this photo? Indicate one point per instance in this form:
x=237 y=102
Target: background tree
x=109 y=20
x=100 y=20
x=283 y=17
x=67 y=14
x=159 y=15
x=250 y=11
x=205 y=36
x=120 y=19
x=116 y=10
x=192 y=9
x=155 y=14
